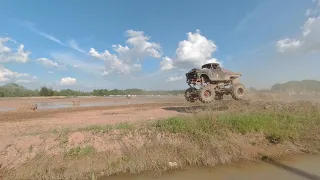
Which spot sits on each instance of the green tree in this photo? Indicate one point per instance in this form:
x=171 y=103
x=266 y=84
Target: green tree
x=44 y=91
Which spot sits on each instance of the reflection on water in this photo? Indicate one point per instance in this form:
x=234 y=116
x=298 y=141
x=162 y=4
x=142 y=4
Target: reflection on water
x=6 y=109
x=107 y=101
x=298 y=168
x=56 y=105
x=92 y=104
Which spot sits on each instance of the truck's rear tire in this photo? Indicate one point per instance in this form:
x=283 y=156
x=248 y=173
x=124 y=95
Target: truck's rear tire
x=238 y=91
x=206 y=94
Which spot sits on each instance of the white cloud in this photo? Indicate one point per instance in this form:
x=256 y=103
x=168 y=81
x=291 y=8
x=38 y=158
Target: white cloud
x=193 y=52
x=311 y=12
x=23 y=81
x=112 y=62
x=2 y=78
x=69 y=60
x=7 y=74
x=317 y=2
x=68 y=81
x=47 y=62
x=196 y=50
x=308 y=12
x=256 y=13
x=31 y=26
x=71 y=44
x=127 y=58
x=315 y=10
x=308 y=41
x=137 y=67
x=50 y=72
x=141 y=46
x=287 y=44
x=74 y=45
x=7 y=54
x=174 y=78
x=166 y=64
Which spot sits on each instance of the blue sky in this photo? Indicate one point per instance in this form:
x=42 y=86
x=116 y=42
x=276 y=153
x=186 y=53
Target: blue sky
x=144 y=44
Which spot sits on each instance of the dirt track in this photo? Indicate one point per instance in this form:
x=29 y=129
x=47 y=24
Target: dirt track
x=28 y=121
x=20 y=130
x=139 y=108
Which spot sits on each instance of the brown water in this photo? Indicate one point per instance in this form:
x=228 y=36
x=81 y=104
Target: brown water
x=67 y=105
x=57 y=105
x=294 y=168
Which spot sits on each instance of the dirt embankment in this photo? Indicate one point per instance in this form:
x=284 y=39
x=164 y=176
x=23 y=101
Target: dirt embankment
x=111 y=140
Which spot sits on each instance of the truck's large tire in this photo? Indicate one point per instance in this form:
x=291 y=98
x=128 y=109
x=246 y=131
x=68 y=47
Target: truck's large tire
x=206 y=94
x=189 y=94
x=238 y=91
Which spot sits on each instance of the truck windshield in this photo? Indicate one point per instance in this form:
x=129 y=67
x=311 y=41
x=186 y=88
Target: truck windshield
x=208 y=66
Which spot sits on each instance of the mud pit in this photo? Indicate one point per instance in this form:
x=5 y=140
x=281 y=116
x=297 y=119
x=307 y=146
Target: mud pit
x=26 y=134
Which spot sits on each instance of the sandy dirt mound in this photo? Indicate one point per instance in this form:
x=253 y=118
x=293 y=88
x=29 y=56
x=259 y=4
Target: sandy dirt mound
x=27 y=106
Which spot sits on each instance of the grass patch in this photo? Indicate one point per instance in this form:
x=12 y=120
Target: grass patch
x=277 y=126
x=274 y=125
x=65 y=131
x=63 y=135
x=97 y=128
x=80 y=151
x=186 y=125
x=54 y=131
x=107 y=128
x=199 y=128
x=123 y=126
x=30 y=148
x=33 y=133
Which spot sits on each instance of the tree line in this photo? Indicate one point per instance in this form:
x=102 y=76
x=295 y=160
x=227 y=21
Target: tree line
x=16 y=90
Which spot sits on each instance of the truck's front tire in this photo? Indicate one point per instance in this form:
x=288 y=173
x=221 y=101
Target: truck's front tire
x=238 y=91
x=189 y=94
x=206 y=94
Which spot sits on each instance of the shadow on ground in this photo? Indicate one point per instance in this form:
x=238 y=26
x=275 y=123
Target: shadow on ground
x=290 y=169
x=193 y=109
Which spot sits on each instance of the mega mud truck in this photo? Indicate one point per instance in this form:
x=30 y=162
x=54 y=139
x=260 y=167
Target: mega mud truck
x=212 y=82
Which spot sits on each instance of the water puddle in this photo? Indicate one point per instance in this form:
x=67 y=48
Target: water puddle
x=6 y=109
x=298 y=168
x=57 y=105
x=42 y=106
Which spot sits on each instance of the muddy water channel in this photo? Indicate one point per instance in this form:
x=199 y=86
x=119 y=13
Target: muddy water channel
x=57 y=105
x=67 y=105
x=293 y=168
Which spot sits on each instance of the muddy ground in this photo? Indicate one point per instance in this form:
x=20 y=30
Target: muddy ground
x=24 y=134
x=20 y=128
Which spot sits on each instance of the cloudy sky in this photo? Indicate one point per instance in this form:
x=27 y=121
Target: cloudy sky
x=151 y=45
